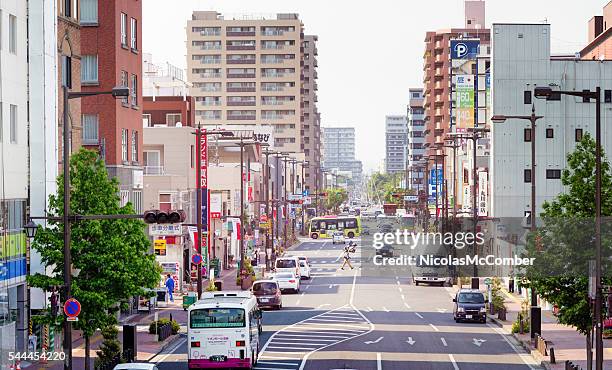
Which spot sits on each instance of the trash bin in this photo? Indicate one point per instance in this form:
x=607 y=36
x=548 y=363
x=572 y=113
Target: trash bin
x=214 y=264
x=219 y=285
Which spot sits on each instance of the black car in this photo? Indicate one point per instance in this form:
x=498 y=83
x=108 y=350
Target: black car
x=385 y=251
x=470 y=306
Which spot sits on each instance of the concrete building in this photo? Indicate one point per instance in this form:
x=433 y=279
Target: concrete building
x=310 y=117
x=416 y=139
x=248 y=71
x=599 y=44
x=521 y=60
x=437 y=70
x=339 y=151
x=162 y=79
x=396 y=144
x=111 y=56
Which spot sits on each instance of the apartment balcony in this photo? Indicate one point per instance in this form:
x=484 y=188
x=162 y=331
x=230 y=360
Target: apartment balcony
x=241 y=117
x=209 y=118
x=210 y=89
x=210 y=75
x=273 y=33
x=210 y=33
x=241 y=75
x=240 y=33
x=241 y=103
x=240 y=47
x=210 y=103
x=274 y=102
x=154 y=170
x=210 y=61
x=273 y=61
x=276 y=74
x=273 y=88
x=240 y=61
x=274 y=117
x=241 y=89
x=439 y=45
x=208 y=48
x=273 y=47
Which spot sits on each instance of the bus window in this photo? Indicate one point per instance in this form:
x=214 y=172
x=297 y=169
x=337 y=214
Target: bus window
x=322 y=225
x=351 y=223
x=315 y=225
x=332 y=225
x=217 y=318
x=340 y=225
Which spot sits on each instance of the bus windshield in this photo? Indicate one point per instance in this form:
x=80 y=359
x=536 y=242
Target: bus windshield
x=216 y=318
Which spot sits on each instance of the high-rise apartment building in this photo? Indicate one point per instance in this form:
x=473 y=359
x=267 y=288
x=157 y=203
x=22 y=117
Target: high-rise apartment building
x=310 y=118
x=111 y=37
x=396 y=141
x=437 y=71
x=416 y=138
x=339 y=151
x=248 y=71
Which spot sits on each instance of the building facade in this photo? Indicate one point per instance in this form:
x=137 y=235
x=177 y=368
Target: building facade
x=339 y=151
x=416 y=139
x=111 y=36
x=599 y=44
x=396 y=144
x=247 y=71
x=310 y=118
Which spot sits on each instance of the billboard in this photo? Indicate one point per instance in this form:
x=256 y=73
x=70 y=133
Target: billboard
x=483 y=200
x=464 y=101
x=435 y=178
x=464 y=49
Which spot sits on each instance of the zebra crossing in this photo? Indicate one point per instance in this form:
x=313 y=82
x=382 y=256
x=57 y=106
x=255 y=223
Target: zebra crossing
x=289 y=347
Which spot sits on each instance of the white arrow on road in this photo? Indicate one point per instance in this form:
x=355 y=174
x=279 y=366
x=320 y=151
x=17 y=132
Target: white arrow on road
x=410 y=341
x=373 y=342
x=479 y=342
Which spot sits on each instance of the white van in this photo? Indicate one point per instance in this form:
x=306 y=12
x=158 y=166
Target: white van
x=288 y=264
x=223 y=331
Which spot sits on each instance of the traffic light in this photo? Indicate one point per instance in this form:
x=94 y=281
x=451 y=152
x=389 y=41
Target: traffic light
x=156 y=216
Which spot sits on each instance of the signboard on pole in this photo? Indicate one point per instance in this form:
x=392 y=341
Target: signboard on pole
x=435 y=183
x=159 y=247
x=216 y=204
x=482 y=193
x=72 y=309
x=464 y=101
x=411 y=198
x=165 y=229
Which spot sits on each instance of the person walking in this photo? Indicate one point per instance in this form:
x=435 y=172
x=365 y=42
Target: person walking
x=347 y=256
x=170 y=287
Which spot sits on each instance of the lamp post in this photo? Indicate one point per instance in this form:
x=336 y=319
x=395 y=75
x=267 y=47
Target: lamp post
x=547 y=92
x=304 y=165
x=200 y=182
x=270 y=231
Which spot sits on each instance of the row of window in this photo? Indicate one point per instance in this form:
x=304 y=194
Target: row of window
x=550 y=134
x=243 y=86
x=265 y=72
x=245 y=114
x=550 y=174
x=133 y=32
x=244 y=58
x=265 y=30
x=237 y=44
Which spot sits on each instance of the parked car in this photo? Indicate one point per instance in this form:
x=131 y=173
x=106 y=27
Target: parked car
x=288 y=264
x=287 y=281
x=338 y=237
x=469 y=306
x=136 y=366
x=268 y=293
x=304 y=269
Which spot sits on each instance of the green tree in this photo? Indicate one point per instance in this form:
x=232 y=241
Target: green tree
x=111 y=260
x=382 y=185
x=564 y=244
x=335 y=197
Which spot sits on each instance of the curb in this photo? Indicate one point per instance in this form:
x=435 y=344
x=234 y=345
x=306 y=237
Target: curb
x=175 y=338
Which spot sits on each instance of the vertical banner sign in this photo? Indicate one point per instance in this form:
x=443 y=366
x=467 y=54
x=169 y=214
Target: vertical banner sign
x=216 y=203
x=464 y=104
x=463 y=54
x=488 y=101
x=482 y=193
x=435 y=178
x=203 y=145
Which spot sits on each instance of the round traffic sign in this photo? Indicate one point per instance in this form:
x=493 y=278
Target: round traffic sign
x=196 y=259
x=487 y=281
x=72 y=308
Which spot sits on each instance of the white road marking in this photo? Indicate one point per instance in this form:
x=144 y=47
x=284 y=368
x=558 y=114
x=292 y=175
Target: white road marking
x=403 y=297
x=369 y=309
x=275 y=363
x=331 y=286
x=455 y=366
x=163 y=357
x=385 y=309
x=373 y=341
x=323 y=305
x=442 y=310
x=410 y=341
x=444 y=342
x=407 y=305
x=400 y=289
x=378 y=361
x=398 y=283
x=433 y=327
x=527 y=359
x=418 y=314
x=478 y=342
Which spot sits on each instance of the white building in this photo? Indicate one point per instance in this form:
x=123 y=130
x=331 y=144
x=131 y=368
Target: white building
x=416 y=139
x=396 y=140
x=162 y=79
x=521 y=60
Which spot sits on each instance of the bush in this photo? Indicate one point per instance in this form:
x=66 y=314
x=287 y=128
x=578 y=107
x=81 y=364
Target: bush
x=211 y=286
x=516 y=324
x=497 y=296
x=161 y=322
x=110 y=349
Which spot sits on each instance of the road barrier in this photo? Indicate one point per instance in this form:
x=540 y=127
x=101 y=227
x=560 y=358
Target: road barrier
x=542 y=345
x=164 y=332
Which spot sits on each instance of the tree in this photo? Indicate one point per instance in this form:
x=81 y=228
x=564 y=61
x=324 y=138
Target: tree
x=564 y=244
x=382 y=185
x=335 y=197
x=111 y=260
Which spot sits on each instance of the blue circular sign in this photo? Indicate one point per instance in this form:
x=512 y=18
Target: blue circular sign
x=196 y=259
x=72 y=308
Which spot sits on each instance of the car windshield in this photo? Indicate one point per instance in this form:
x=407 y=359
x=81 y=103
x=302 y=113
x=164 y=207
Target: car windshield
x=471 y=298
x=266 y=288
x=217 y=318
x=284 y=264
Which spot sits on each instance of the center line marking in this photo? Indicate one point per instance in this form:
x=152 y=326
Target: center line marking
x=378 y=361
x=403 y=298
x=433 y=327
x=444 y=342
x=407 y=305
x=418 y=314
x=454 y=362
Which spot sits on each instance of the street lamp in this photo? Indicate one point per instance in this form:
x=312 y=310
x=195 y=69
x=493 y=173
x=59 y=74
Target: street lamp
x=499 y=119
x=546 y=92
x=30 y=229
x=305 y=164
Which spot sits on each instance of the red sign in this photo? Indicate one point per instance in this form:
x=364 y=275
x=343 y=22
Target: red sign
x=72 y=308
x=263 y=218
x=203 y=160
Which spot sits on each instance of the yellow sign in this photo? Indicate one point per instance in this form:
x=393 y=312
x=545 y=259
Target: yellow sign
x=159 y=246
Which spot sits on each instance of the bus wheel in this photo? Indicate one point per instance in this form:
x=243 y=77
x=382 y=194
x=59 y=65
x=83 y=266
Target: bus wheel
x=351 y=235
x=314 y=235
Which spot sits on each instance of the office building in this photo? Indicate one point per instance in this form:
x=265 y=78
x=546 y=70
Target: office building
x=339 y=151
x=396 y=141
x=310 y=118
x=247 y=70
x=416 y=138
x=111 y=38
x=600 y=36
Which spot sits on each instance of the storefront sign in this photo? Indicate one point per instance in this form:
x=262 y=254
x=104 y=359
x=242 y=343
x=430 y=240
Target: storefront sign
x=159 y=246
x=165 y=229
x=482 y=193
x=216 y=204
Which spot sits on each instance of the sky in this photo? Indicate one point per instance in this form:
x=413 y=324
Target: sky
x=370 y=52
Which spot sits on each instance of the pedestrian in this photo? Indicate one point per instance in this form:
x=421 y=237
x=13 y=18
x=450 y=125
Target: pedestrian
x=170 y=287
x=347 y=256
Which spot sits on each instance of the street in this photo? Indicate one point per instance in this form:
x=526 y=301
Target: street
x=341 y=320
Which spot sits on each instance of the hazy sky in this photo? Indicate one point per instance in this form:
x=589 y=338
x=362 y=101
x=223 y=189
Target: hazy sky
x=370 y=52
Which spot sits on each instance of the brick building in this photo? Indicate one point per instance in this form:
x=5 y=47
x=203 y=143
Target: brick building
x=111 y=56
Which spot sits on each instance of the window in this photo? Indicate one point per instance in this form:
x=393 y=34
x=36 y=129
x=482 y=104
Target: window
x=12 y=34
x=124 y=83
x=13 y=124
x=133 y=34
x=67 y=71
x=527 y=97
x=134 y=146
x=136 y=199
x=553 y=174
x=67 y=8
x=134 y=90
x=527 y=175
x=172 y=119
x=124 y=30
x=578 y=135
x=607 y=96
x=146 y=120
x=527 y=135
x=89 y=69
x=124 y=145
x=550 y=133
x=151 y=161
x=165 y=202
x=90 y=129
x=192 y=156
x=124 y=197
x=89 y=11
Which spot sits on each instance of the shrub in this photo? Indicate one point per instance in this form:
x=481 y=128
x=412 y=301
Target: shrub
x=163 y=321
x=516 y=323
x=211 y=286
x=110 y=348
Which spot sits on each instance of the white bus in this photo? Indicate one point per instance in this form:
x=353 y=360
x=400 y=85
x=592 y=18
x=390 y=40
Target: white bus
x=223 y=331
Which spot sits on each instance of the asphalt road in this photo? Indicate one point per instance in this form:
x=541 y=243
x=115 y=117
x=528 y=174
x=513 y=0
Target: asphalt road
x=342 y=320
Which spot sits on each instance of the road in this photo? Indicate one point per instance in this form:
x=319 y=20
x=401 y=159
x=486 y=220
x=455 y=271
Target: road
x=341 y=320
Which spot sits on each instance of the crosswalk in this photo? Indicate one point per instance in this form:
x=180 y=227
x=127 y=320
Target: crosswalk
x=287 y=348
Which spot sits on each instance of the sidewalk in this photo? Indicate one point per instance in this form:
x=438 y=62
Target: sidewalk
x=568 y=344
